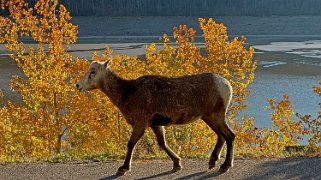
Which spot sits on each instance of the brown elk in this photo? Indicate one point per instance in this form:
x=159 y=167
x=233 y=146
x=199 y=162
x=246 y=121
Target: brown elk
x=157 y=101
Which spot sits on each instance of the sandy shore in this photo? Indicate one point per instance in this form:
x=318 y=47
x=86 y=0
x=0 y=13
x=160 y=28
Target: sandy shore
x=266 y=61
x=86 y=50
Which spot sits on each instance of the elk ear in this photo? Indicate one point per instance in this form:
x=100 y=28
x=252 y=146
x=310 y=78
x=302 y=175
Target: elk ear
x=106 y=64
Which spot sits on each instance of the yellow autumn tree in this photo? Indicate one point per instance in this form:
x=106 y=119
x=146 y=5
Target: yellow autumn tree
x=45 y=64
x=289 y=127
x=313 y=124
x=285 y=130
x=52 y=117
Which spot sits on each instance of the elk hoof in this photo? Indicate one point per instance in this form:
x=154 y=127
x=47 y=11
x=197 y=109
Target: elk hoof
x=212 y=163
x=224 y=168
x=211 y=166
x=177 y=168
x=121 y=171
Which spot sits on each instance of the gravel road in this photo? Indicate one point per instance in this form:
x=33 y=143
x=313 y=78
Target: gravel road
x=266 y=168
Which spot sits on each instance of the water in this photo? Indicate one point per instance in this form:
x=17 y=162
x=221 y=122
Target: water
x=192 y=7
x=274 y=86
x=147 y=29
x=290 y=68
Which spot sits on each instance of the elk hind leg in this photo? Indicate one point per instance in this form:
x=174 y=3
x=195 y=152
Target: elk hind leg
x=217 y=122
x=210 y=121
x=229 y=138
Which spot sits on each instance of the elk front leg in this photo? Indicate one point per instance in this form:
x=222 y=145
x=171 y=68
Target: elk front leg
x=160 y=135
x=138 y=132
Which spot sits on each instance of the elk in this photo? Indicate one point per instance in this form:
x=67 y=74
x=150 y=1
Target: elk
x=157 y=101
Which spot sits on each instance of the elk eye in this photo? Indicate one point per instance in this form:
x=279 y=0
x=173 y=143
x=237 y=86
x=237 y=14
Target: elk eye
x=92 y=73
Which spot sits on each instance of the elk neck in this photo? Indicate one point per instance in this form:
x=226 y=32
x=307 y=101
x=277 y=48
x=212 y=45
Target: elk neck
x=112 y=86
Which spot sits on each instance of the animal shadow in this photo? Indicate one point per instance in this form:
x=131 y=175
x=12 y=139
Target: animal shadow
x=110 y=177
x=159 y=175
x=143 y=178
x=200 y=175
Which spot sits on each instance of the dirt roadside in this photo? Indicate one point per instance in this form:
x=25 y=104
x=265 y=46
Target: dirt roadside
x=266 y=168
